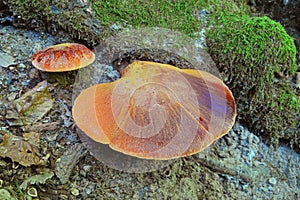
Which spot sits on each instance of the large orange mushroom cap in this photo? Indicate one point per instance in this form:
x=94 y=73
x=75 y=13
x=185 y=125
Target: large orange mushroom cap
x=63 y=57
x=156 y=111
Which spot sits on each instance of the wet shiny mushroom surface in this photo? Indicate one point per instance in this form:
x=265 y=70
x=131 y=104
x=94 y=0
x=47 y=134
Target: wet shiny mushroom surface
x=63 y=57
x=156 y=111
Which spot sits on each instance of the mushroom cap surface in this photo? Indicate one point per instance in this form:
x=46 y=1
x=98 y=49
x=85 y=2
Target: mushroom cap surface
x=63 y=57
x=156 y=111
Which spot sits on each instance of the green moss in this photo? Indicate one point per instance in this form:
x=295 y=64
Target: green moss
x=255 y=43
x=289 y=100
x=249 y=51
x=184 y=179
x=54 y=15
x=219 y=8
x=179 y=14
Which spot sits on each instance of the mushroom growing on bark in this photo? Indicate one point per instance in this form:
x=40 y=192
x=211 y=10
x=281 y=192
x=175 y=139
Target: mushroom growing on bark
x=156 y=111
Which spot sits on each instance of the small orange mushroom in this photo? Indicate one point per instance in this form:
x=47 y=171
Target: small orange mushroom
x=63 y=57
x=156 y=111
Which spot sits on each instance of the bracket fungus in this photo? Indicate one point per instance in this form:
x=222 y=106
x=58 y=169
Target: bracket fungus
x=63 y=57
x=156 y=111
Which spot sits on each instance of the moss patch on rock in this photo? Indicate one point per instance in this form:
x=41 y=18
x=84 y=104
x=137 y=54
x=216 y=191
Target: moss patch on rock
x=54 y=15
x=177 y=15
x=250 y=51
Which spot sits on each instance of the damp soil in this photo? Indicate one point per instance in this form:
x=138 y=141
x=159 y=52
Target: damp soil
x=238 y=166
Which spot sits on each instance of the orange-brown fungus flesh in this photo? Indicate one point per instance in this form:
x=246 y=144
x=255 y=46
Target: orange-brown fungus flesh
x=156 y=111
x=63 y=57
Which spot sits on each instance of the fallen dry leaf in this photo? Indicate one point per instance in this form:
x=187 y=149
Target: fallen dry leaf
x=24 y=150
x=31 y=106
